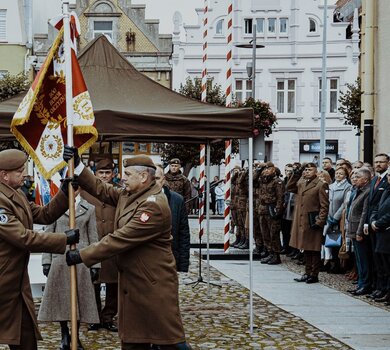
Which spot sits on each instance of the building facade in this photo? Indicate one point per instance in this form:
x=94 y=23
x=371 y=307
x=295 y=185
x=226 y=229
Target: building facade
x=288 y=69
x=14 y=39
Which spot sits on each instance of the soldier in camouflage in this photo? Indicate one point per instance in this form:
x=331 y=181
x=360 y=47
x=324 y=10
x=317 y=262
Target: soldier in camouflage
x=233 y=203
x=242 y=200
x=270 y=210
x=178 y=182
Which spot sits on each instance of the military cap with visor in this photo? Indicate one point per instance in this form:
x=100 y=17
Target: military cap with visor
x=12 y=159
x=175 y=161
x=140 y=160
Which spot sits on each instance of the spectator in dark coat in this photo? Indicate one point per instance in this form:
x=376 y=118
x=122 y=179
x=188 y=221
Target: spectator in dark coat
x=180 y=227
x=381 y=225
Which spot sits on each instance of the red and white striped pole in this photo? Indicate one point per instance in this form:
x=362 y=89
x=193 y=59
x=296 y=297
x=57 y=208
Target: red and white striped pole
x=204 y=67
x=228 y=144
x=202 y=200
x=226 y=213
x=229 y=33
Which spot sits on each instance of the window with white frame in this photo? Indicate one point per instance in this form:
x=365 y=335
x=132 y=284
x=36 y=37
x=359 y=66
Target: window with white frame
x=272 y=26
x=248 y=22
x=260 y=25
x=283 y=25
x=312 y=26
x=103 y=27
x=332 y=95
x=243 y=89
x=286 y=92
x=219 y=27
x=3 y=25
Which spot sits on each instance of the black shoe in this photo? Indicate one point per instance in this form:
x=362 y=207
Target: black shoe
x=352 y=291
x=297 y=256
x=94 y=326
x=267 y=259
x=303 y=278
x=385 y=298
x=264 y=254
x=291 y=254
x=362 y=291
x=110 y=326
x=312 y=279
x=376 y=294
x=258 y=250
x=236 y=242
x=244 y=245
x=275 y=260
x=382 y=294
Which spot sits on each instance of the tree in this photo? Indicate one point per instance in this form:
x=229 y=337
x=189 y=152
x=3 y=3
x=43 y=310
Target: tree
x=11 y=85
x=264 y=118
x=189 y=153
x=350 y=104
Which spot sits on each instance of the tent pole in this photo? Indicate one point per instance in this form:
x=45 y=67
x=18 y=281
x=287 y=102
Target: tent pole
x=250 y=163
x=207 y=206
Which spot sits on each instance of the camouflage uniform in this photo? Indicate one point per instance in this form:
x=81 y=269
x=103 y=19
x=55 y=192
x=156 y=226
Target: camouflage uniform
x=180 y=184
x=271 y=195
x=242 y=200
x=256 y=219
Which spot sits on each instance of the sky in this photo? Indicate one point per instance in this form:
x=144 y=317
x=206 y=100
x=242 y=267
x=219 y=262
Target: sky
x=164 y=10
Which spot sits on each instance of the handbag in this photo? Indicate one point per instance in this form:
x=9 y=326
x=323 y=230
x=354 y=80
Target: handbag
x=313 y=216
x=272 y=211
x=333 y=238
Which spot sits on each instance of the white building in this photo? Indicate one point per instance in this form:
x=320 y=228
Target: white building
x=288 y=69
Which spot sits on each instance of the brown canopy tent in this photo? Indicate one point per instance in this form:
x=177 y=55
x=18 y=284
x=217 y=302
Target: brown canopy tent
x=130 y=106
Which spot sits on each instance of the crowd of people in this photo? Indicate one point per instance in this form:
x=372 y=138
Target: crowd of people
x=334 y=219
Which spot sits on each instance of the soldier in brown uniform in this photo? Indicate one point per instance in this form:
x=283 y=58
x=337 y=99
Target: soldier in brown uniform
x=178 y=182
x=148 y=286
x=260 y=249
x=105 y=215
x=270 y=210
x=18 y=325
x=242 y=203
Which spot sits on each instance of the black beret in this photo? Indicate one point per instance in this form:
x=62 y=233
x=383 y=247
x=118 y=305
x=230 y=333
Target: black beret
x=106 y=163
x=12 y=159
x=175 y=161
x=139 y=161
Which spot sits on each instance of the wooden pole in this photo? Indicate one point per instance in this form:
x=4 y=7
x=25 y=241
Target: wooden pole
x=69 y=120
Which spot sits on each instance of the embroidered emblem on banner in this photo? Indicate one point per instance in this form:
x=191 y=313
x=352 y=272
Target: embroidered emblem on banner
x=144 y=217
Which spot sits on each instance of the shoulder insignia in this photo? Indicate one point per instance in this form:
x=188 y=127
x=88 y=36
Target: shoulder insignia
x=144 y=217
x=3 y=218
x=151 y=199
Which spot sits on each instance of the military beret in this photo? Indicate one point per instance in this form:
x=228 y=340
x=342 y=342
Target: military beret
x=12 y=159
x=269 y=165
x=106 y=163
x=175 y=161
x=139 y=161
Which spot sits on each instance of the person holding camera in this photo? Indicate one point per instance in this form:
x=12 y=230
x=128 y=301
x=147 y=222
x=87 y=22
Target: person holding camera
x=310 y=214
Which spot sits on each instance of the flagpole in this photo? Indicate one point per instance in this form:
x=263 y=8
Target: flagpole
x=69 y=120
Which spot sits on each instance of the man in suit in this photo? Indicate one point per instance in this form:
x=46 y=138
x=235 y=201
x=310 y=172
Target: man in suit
x=377 y=187
x=148 y=302
x=105 y=215
x=310 y=214
x=18 y=325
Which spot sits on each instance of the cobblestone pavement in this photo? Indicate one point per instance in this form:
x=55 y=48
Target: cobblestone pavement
x=220 y=321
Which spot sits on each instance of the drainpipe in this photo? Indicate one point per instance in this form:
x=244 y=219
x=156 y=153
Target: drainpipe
x=368 y=82
x=29 y=29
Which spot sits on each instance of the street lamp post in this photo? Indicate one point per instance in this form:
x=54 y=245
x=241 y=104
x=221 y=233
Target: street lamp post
x=254 y=46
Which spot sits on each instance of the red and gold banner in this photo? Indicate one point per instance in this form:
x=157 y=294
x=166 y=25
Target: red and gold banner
x=40 y=123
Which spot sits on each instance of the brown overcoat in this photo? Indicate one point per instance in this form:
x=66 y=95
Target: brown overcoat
x=105 y=215
x=148 y=285
x=311 y=196
x=55 y=305
x=17 y=240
